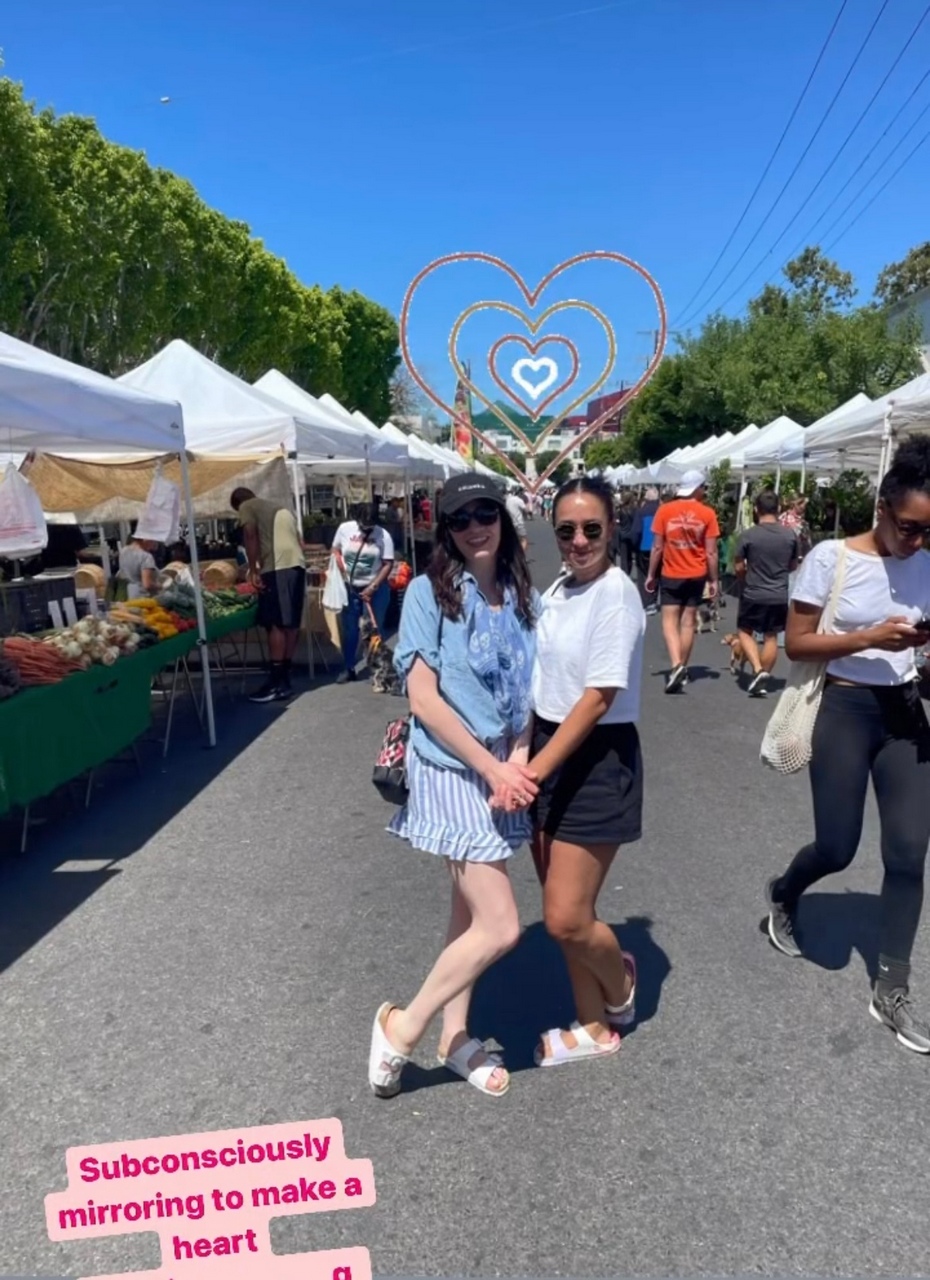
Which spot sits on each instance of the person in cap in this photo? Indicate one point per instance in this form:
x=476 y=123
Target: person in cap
x=278 y=570
x=364 y=551
x=465 y=649
x=685 y=533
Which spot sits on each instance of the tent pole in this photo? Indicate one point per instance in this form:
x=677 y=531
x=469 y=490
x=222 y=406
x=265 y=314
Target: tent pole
x=413 y=545
x=295 y=478
x=198 y=596
x=371 y=495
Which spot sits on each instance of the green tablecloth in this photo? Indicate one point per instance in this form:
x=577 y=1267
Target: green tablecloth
x=53 y=734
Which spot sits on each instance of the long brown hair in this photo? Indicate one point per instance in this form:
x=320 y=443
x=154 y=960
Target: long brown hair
x=446 y=564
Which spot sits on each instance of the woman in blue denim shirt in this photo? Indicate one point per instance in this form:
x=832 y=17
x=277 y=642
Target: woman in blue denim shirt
x=466 y=649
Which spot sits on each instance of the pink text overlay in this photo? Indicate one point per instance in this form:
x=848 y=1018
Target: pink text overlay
x=211 y=1196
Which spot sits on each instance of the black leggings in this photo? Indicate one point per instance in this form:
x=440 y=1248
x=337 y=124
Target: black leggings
x=882 y=733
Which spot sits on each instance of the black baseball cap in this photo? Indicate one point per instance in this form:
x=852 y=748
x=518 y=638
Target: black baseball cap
x=462 y=489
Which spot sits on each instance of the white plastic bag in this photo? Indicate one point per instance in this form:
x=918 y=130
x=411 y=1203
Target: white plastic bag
x=335 y=595
x=161 y=519
x=787 y=745
x=23 y=531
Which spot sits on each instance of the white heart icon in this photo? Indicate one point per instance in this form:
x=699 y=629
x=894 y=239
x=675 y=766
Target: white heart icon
x=535 y=390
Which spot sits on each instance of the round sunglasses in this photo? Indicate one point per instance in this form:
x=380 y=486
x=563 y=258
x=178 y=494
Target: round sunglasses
x=484 y=513
x=591 y=530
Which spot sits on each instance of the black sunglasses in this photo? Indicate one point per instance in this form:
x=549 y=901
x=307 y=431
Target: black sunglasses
x=484 y=513
x=592 y=530
x=906 y=529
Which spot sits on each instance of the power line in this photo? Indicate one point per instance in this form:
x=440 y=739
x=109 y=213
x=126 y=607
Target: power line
x=836 y=156
x=805 y=239
x=804 y=154
x=882 y=188
x=797 y=106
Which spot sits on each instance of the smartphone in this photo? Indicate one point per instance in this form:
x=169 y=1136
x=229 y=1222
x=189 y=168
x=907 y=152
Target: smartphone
x=922 y=625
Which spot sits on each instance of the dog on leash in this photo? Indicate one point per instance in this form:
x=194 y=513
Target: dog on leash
x=708 y=614
x=384 y=678
x=738 y=658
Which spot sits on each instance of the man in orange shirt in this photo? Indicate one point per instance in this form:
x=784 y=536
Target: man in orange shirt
x=685 y=533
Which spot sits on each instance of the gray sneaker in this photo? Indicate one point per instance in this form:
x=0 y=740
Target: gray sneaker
x=781 y=923
x=897 y=1012
x=677 y=678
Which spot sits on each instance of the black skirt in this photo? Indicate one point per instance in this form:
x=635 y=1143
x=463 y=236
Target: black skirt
x=596 y=797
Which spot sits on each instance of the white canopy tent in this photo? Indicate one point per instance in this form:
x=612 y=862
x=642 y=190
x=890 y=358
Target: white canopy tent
x=864 y=438
x=769 y=446
x=224 y=415
x=50 y=405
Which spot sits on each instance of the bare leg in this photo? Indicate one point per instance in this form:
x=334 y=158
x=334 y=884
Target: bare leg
x=751 y=650
x=277 y=644
x=494 y=928
x=455 y=1012
x=686 y=631
x=770 y=653
x=574 y=876
x=671 y=633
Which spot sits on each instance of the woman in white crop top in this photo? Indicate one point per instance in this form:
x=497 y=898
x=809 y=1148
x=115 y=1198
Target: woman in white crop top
x=871 y=723
x=587 y=762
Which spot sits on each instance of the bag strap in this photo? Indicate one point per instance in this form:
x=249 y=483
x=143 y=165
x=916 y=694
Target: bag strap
x=829 y=613
x=365 y=535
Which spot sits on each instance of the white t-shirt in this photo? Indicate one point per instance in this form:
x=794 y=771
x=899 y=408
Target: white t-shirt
x=517 y=513
x=371 y=554
x=875 y=588
x=589 y=637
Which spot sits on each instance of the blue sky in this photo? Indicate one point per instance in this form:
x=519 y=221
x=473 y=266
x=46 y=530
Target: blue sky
x=360 y=140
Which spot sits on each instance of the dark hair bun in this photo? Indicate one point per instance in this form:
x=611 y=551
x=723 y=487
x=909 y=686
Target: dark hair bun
x=911 y=462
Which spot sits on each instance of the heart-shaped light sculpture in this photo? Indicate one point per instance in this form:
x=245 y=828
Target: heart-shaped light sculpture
x=531 y=297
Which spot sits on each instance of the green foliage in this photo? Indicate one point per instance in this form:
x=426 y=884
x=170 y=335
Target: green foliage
x=601 y=454
x=103 y=260
x=800 y=350
x=720 y=495
x=900 y=279
x=493 y=462
x=562 y=471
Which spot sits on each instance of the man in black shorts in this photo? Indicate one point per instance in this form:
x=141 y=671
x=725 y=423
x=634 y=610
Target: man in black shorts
x=766 y=556
x=685 y=533
x=278 y=569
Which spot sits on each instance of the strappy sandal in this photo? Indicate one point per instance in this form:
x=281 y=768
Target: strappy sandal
x=586 y=1047
x=479 y=1077
x=384 y=1062
x=622 y=1015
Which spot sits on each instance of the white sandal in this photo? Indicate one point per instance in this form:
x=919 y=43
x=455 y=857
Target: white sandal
x=585 y=1047
x=384 y=1062
x=480 y=1077
x=622 y=1015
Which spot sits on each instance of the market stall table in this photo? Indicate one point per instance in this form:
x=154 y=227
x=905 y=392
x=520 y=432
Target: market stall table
x=53 y=734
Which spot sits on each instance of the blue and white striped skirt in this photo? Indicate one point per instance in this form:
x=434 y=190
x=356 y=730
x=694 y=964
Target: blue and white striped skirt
x=447 y=812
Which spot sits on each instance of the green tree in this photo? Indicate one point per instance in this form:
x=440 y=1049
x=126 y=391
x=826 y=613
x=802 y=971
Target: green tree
x=601 y=454
x=562 y=471
x=900 y=279
x=800 y=350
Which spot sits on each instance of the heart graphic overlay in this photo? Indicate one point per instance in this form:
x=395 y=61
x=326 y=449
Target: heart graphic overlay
x=534 y=412
x=531 y=296
x=534 y=390
x=534 y=326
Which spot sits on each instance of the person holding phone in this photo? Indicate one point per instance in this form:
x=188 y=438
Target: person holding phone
x=871 y=724
x=364 y=552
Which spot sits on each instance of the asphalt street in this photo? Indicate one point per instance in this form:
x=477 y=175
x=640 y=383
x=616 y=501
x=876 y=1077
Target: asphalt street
x=206 y=947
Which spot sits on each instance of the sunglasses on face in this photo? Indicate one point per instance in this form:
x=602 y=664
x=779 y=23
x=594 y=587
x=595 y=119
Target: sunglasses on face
x=907 y=529
x=591 y=531
x=485 y=513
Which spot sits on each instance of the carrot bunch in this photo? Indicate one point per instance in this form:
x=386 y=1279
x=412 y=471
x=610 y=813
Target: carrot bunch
x=37 y=663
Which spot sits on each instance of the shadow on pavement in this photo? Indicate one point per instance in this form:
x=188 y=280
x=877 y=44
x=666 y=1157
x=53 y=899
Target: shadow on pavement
x=834 y=925
x=74 y=851
x=528 y=991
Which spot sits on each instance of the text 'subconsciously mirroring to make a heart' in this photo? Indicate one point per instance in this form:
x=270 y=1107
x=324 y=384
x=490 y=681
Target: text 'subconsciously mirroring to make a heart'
x=211 y=1196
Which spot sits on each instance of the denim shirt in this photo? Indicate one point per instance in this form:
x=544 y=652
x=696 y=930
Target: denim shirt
x=467 y=695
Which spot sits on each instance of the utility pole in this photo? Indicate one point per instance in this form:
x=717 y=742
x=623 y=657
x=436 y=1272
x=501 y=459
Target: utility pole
x=654 y=334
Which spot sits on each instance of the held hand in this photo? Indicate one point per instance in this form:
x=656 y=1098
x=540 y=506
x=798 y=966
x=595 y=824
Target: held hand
x=895 y=635
x=256 y=580
x=650 y=586
x=367 y=595
x=712 y=589
x=507 y=800
x=504 y=777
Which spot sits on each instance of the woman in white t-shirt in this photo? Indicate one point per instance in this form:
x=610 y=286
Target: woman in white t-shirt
x=586 y=758
x=364 y=552
x=871 y=723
